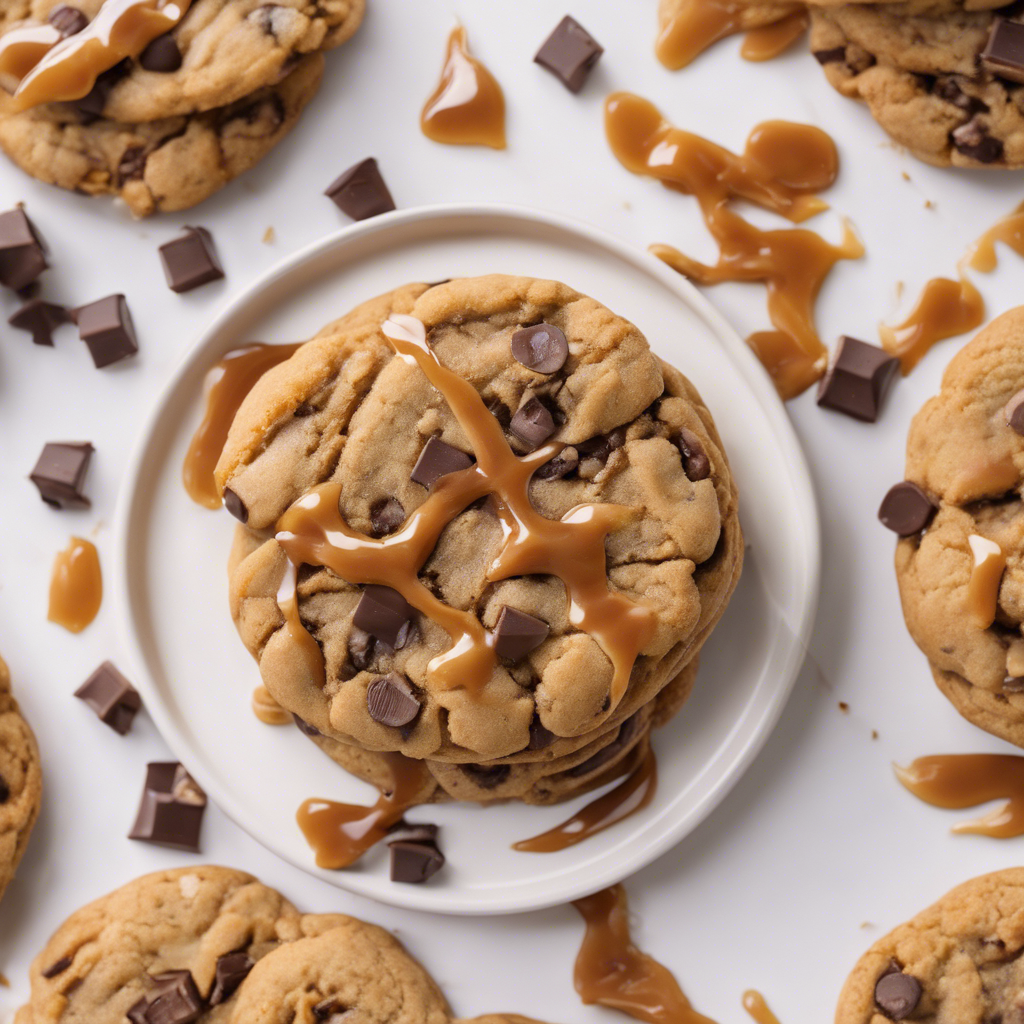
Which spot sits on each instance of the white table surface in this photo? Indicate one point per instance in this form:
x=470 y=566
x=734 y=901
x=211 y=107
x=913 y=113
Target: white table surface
x=818 y=849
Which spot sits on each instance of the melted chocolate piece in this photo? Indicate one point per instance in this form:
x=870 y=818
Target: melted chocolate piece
x=5 y=791
x=232 y=970
x=67 y=20
x=171 y=811
x=541 y=348
x=391 y=701
x=906 y=509
x=834 y=56
x=436 y=460
x=487 y=776
x=564 y=463
x=533 y=424
x=234 y=504
x=386 y=516
x=382 y=612
x=569 y=53
x=60 y=474
x=190 y=261
x=1013 y=412
x=603 y=445
x=858 y=379
x=517 y=633
x=973 y=141
x=40 y=319
x=22 y=250
x=106 y=327
x=539 y=736
x=361 y=191
x=176 y=1000
x=161 y=55
x=305 y=728
x=696 y=464
x=115 y=701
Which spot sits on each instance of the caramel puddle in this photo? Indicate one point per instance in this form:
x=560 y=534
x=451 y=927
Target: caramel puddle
x=76 y=586
x=754 y=1003
x=267 y=710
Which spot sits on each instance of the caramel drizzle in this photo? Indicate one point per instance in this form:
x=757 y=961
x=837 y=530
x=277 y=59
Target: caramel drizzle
x=313 y=531
x=227 y=383
x=76 y=586
x=611 y=971
x=957 y=781
x=767 y=42
x=754 y=1003
x=468 y=107
x=626 y=799
x=782 y=167
x=267 y=710
x=987 y=568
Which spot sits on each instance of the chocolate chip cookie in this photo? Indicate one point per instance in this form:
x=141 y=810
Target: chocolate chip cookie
x=958 y=961
x=960 y=562
x=21 y=781
x=936 y=82
x=533 y=380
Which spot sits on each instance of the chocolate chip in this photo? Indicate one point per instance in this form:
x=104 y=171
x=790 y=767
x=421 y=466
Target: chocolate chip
x=906 y=509
x=171 y=811
x=386 y=516
x=132 y=165
x=1004 y=52
x=57 y=968
x=539 y=736
x=60 y=473
x=361 y=648
x=487 y=776
x=390 y=700
x=973 y=141
x=40 y=319
x=305 y=728
x=897 y=994
x=516 y=633
x=382 y=612
x=234 y=504
x=603 y=445
x=834 y=56
x=414 y=862
x=326 y=1008
x=564 y=463
x=858 y=379
x=22 y=250
x=696 y=464
x=5 y=791
x=106 y=327
x=569 y=53
x=175 y=999
x=1013 y=412
x=162 y=54
x=500 y=411
x=1013 y=684
x=115 y=701
x=541 y=348
x=91 y=106
x=533 y=424
x=436 y=460
x=190 y=261
x=232 y=970
x=361 y=191
x=948 y=90
x=67 y=20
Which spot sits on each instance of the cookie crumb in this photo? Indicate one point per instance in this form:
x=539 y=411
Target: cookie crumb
x=874 y=734
x=844 y=707
x=929 y=205
x=269 y=236
x=906 y=177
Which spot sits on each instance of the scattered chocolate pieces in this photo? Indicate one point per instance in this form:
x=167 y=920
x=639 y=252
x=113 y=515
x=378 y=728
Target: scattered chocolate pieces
x=414 y=860
x=60 y=473
x=106 y=327
x=382 y=612
x=40 y=319
x=533 y=424
x=569 y=53
x=171 y=812
x=541 y=348
x=539 y=736
x=906 y=509
x=1014 y=412
x=68 y=21
x=115 y=701
x=390 y=700
x=232 y=970
x=57 y=968
x=696 y=464
x=858 y=379
x=897 y=994
x=436 y=460
x=1004 y=52
x=190 y=261
x=487 y=776
x=386 y=516
x=517 y=633
x=162 y=54
x=234 y=504
x=564 y=463
x=361 y=191
x=22 y=250
x=174 y=999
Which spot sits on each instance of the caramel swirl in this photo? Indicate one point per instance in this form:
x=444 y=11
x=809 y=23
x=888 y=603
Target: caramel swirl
x=314 y=532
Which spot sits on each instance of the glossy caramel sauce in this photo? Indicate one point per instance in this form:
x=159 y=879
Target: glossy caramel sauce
x=68 y=70
x=766 y=43
x=341 y=833
x=781 y=168
x=755 y=1005
x=227 y=385
x=300 y=640
x=983 y=586
x=468 y=107
x=22 y=48
x=76 y=586
x=313 y=532
x=612 y=972
x=956 y=781
x=1010 y=230
x=630 y=796
x=267 y=710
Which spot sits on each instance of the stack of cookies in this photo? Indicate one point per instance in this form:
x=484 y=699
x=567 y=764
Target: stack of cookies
x=165 y=121
x=530 y=649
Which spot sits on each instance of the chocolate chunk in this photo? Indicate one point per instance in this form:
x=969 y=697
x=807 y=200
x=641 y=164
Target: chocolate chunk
x=569 y=53
x=541 y=348
x=516 y=633
x=906 y=509
x=1004 y=52
x=361 y=191
x=603 y=445
x=1013 y=411
x=106 y=327
x=5 y=791
x=539 y=736
x=390 y=700
x=533 y=424
x=174 y=1000
x=57 y=968
x=60 y=473
x=897 y=994
x=234 y=504
x=382 y=612
x=487 y=776
x=171 y=811
x=326 y=1010
x=696 y=464
x=190 y=261
x=232 y=970
x=414 y=862
x=1014 y=684
x=305 y=728
x=411 y=832
x=948 y=90
x=564 y=463
x=91 y=105
x=834 y=56
x=361 y=648
x=40 y=319
x=137 y=1011
x=386 y=516
x=132 y=166
x=500 y=411
x=68 y=21
x=858 y=379
x=115 y=701
x=22 y=250
x=162 y=54
x=437 y=460
x=973 y=141
x=626 y=734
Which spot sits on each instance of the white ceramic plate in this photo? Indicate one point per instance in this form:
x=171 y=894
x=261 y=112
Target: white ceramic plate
x=196 y=677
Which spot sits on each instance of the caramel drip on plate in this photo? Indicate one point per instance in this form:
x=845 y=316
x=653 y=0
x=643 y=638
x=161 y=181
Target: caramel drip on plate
x=611 y=971
x=1010 y=230
x=630 y=796
x=68 y=71
x=313 y=531
x=768 y=42
x=983 y=586
x=267 y=710
x=468 y=107
x=782 y=167
x=76 y=586
x=755 y=1005
x=956 y=781
x=341 y=833
x=227 y=385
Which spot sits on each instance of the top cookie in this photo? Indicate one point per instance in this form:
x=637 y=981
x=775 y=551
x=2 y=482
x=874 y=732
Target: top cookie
x=348 y=410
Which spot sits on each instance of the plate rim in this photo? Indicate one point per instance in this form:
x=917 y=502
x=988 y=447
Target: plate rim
x=737 y=351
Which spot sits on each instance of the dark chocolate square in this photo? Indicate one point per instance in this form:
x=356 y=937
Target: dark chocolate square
x=1004 y=52
x=171 y=811
x=190 y=261
x=60 y=473
x=858 y=379
x=40 y=319
x=569 y=53
x=361 y=191
x=106 y=327
x=115 y=701
x=22 y=250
